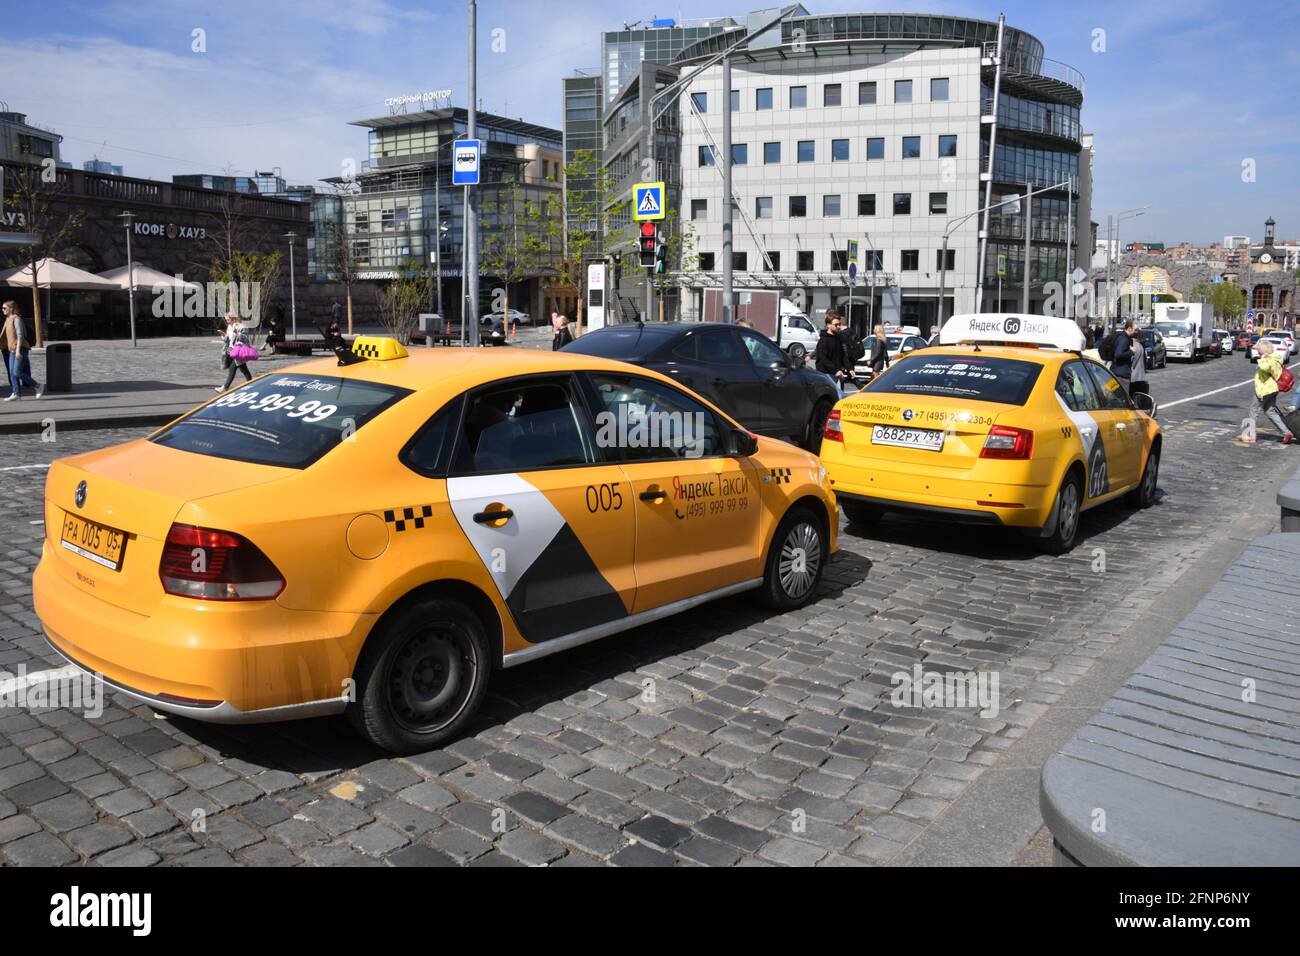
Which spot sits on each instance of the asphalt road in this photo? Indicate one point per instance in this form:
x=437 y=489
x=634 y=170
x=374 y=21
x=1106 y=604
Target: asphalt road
x=768 y=738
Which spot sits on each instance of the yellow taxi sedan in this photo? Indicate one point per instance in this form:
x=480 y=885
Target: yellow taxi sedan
x=1003 y=423
x=376 y=534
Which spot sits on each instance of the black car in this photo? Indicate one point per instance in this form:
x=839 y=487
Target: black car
x=1153 y=343
x=740 y=370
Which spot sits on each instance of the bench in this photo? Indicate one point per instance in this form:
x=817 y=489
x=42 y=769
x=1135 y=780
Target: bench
x=1187 y=767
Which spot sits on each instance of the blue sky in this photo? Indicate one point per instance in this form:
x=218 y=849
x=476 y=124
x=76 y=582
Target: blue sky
x=1183 y=94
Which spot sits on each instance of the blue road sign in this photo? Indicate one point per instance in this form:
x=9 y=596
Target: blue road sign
x=465 y=154
x=648 y=201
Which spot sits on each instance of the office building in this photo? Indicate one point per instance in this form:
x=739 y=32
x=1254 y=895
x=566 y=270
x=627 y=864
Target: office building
x=24 y=142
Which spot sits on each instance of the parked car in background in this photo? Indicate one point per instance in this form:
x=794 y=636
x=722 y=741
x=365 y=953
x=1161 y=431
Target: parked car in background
x=1242 y=338
x=740 y=370
x=1227 y=341
x=797 y=335
x=1283 y=344
x=515 y=317
x=898 y=345
x=1154 y=345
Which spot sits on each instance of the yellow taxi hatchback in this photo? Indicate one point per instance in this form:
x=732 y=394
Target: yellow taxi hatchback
x=1003 y=423
x=377 y=534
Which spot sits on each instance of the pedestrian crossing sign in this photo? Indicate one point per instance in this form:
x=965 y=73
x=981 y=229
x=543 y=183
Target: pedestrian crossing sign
x=647 y=201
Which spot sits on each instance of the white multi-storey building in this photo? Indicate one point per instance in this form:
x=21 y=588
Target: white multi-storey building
x=876 y=129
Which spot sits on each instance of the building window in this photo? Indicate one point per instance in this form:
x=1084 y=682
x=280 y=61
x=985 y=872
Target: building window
x=798 y=207
x=952 y=260
x=763 y=98
x=831 y=206
x=706 y=156
x=831 y=94
x=776 y=262
x=902 y=204
x=839 y=260
x=867 y=94
x=798 y=97
x=735 y=101
x=699 y=209
x=740 y=261
x=740 y=154
x=805 y=261
x=911 y=260
x=939 y=89
x=807 y=151
x=763 y=207
x=839 y=151
x=706 y=261
x=876 y=147
x=866 y=204
x=701 y=101
x=947 y=146
x=875 y=260
x=938 y=204
x=902 y=91
x=771 y=153
x=911 y=147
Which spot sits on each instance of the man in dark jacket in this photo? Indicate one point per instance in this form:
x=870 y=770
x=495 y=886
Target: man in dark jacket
x=830 y=350
x=1121 y=366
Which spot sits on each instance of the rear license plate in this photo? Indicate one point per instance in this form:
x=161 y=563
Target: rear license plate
x=926 y=439
x=93 y=541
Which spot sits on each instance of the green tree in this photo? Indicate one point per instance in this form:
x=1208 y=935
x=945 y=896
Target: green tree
x=400 y=302
x=683 y=261
x=1228 y=299
x=32 y=189
x=514 y=247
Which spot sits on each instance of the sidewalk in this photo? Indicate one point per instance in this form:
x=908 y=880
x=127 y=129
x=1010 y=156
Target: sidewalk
x=115 y=385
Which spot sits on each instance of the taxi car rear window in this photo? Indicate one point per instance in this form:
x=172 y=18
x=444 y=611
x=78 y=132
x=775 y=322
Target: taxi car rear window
x=980 y=378
x=284 y=420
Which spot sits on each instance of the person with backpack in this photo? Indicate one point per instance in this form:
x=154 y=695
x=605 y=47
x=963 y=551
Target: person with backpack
x=1268 y=381
x=1121 y=359
x=829 y=355
x=20 y=368
x=854 y=351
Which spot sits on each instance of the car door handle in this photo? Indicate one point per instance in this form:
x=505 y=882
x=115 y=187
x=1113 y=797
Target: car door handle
x=483 y=517
x=656 y=495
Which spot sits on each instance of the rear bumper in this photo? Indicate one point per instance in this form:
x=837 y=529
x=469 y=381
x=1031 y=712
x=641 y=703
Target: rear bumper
x=225 y=662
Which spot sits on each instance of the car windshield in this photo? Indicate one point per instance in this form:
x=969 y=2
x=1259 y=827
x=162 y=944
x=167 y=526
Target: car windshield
x=895 y=342
x=285 y=420
x=977 y=377
x=1176 y=329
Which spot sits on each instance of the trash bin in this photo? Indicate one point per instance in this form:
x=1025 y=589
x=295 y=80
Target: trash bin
x=58 y=367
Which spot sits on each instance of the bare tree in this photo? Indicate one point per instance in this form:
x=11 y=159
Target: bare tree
x=399 y=304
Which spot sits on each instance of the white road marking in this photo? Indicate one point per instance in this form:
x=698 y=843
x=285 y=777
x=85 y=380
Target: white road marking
x=1164 y=405
x=23 y=467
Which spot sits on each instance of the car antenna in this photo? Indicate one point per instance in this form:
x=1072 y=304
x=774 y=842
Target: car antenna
x=340 y=348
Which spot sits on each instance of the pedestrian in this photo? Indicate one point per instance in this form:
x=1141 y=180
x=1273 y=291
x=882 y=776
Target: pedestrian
x=853 y=351
x=18 y=362
x=829 y=355
x=879 y=355
x=274 y=335
x=4 y=353
x=562 y=334
x=555 y=322
x=1138 y=374
x=1267 y=371
x=234 y=336
x=1121 y=366
x=333 y=336
x=336 y=312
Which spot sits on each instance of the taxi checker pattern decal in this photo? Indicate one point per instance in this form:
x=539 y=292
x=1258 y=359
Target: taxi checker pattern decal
x=408 y=517
x=1094 y=451
x=367 y=350
x=780 y=476
x=542 y=571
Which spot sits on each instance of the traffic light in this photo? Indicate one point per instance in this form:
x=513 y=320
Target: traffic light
x=661 y=257
x=647 y=242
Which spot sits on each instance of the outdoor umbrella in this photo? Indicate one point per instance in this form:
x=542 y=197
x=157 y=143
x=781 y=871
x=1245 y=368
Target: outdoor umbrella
x=146 y=278
x=52 y=274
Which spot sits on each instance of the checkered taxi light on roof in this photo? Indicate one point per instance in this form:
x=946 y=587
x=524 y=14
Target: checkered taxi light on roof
x=377 y=348
x=1004 y=329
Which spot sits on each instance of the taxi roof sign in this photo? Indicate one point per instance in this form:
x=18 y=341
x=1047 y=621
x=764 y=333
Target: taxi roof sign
x=1013 y=329
x=379 y=348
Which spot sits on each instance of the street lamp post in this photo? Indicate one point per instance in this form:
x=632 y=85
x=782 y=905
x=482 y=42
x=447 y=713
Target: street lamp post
x=127 y=219
x=1133 y=213
x=293 y=292
x=469 y=322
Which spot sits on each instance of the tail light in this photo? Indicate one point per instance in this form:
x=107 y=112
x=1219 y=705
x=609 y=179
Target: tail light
x=834 y=431
x=1008 y=443
x=216 y=566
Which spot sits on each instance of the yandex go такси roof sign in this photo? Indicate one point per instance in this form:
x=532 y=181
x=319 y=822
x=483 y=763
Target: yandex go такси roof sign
x=1013 y=329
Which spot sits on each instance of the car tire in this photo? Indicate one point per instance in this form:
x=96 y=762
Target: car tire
x=796 y=559
x=1068 y=507
x=797 y=351
x=1144 y=495
x=817 y=427
x=421 y=677
x=862 y=515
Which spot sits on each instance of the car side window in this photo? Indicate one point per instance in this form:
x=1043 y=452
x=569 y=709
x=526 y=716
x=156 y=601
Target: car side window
x=428 y=453
x=1074 y=386
x=720 y=347
x=762 y=351
x=523 y=425
x=641 y=419
x=1113 y=396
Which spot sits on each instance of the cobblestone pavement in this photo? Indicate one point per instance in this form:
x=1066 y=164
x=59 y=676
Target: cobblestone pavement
x=768 y=739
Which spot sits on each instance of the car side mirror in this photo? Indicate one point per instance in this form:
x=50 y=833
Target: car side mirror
x=741 y=444
x=1143 y=402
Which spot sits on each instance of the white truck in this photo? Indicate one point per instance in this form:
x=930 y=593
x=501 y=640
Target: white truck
x=1187 y=327
x=797 y=335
